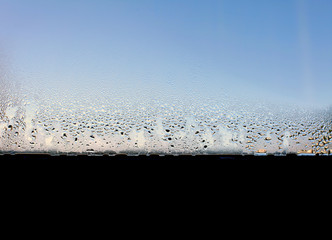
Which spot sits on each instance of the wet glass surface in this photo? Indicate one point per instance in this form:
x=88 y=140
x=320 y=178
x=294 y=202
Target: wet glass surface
x=130 y=82
x=107 y=122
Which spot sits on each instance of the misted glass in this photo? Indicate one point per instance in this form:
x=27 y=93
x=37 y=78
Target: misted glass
x=166 y=77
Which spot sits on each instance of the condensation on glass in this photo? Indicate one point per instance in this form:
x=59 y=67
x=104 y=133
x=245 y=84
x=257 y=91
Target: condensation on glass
x=165 y=77
x=105 y=122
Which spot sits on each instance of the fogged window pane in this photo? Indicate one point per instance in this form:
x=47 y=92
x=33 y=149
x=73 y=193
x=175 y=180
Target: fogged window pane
x=166 y=77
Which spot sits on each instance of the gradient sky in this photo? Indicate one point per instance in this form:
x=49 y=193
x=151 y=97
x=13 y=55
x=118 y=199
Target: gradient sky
x=276 y=48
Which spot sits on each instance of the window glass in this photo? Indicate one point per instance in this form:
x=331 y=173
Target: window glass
x=166 y=77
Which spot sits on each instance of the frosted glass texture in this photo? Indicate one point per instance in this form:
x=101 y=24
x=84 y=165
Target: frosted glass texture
x=166 y=77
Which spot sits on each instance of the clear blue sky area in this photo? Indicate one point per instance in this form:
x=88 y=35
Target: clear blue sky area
x=281 y=48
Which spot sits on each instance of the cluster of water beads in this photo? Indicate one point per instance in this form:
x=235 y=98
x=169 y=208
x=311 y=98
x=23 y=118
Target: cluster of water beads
x=114 y=124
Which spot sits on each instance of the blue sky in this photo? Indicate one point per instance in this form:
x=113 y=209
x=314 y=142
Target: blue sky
x=275 y=48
